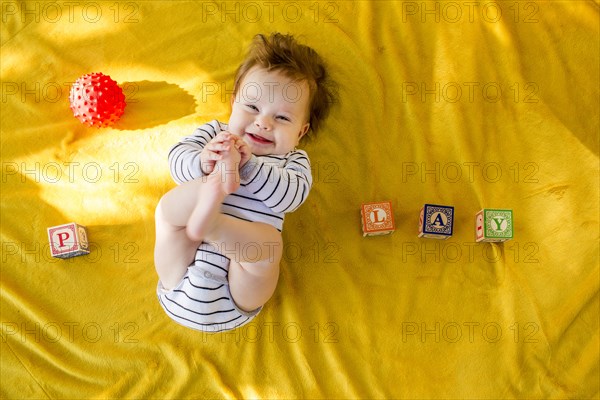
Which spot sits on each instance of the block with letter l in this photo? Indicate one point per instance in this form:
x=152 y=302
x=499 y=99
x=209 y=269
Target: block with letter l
x=377 y=218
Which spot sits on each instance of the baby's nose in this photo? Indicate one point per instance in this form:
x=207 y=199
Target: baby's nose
x=263 y=123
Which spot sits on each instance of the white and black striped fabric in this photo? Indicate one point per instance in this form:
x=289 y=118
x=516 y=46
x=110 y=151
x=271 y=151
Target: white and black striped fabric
x=202 y=300
x=270 y=185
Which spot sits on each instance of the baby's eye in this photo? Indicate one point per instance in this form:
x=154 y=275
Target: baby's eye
x=252 y=107
x=284 y=118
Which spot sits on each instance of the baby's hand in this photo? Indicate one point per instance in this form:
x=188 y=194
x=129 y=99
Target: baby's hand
x=244 y=150
x=212 y=152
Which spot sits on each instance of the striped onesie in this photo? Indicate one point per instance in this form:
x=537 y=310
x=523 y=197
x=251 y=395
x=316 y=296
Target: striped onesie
x=269 y=187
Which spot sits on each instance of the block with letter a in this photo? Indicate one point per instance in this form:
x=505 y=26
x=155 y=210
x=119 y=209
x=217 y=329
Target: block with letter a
x=436 y=221
x=68 y=240
x=377 y=218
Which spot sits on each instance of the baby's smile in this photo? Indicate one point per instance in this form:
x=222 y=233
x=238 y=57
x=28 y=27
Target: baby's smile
x=259 y=139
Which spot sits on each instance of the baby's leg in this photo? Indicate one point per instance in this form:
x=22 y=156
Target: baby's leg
x=254 y=248
x=190 y=214
x=184 y=214
x=174 y=251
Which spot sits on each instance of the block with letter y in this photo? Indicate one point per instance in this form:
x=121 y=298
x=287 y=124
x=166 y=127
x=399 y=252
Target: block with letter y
x=493 y=225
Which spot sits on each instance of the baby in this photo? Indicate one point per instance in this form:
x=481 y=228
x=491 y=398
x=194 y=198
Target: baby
x=218 y=234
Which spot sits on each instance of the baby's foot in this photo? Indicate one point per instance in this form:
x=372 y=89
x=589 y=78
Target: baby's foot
x=227 y=170
x=224 y=180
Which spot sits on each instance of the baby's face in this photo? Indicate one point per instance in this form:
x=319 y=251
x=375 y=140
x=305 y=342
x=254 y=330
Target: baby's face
x=270 y=112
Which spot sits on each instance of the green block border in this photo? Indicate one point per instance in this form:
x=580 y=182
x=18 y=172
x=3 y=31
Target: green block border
x=486 y=221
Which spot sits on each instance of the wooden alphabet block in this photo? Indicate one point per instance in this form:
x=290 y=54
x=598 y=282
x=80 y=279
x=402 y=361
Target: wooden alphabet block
x=436 y=221
x=493 y=225
x=68 y=240
x=377 y=218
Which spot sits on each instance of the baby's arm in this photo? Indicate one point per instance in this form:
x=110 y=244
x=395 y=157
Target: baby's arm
x=283 y=187
x=185 y=157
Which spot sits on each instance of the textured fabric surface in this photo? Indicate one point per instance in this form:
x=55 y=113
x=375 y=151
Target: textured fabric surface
x=469 y=104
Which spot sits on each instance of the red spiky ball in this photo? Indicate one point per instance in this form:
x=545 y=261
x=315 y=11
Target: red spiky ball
x=97 y=100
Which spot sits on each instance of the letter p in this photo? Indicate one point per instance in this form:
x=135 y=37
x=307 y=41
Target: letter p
x=208 y=8
x=409 y=88
x=409 y=328
x=62 y=236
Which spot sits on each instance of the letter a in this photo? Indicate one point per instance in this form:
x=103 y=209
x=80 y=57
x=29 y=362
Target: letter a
x=438 y=220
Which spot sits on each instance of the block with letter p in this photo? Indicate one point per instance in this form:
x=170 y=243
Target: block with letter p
x=493 y=225
x=68 y=240
x=436 y=221
x=377 y=218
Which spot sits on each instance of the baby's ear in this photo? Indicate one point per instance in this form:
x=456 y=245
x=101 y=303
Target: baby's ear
x=304 y=130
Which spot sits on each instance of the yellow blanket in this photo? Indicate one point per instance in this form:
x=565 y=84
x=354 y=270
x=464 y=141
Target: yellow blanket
x=469 y=104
